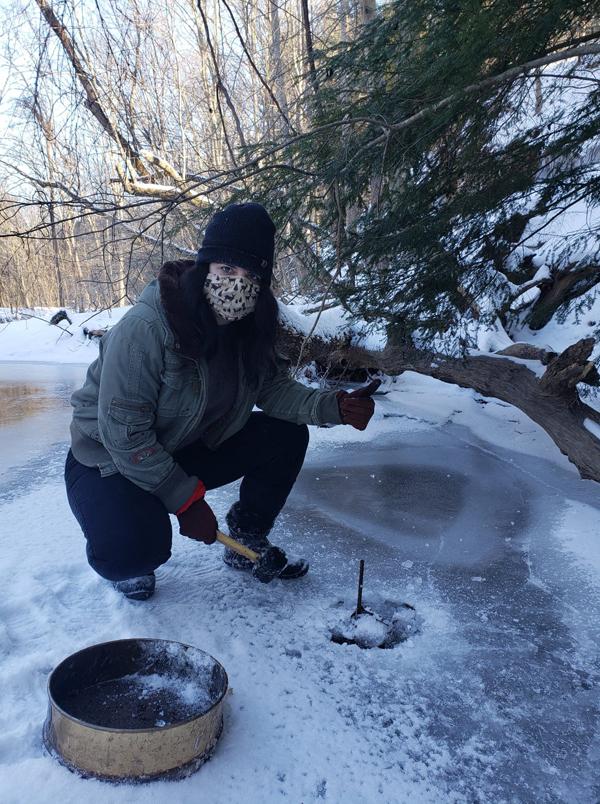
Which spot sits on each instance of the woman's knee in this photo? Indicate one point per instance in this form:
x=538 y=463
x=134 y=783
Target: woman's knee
x=290 y=435
x=118 y=567
x=299 y=435
x=127 y=550
x=127 y=530
x=304 y=436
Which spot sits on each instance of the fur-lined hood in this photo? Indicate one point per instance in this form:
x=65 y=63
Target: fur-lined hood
x=179 y=289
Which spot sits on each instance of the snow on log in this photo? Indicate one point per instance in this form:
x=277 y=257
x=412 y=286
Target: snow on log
x=527 y=351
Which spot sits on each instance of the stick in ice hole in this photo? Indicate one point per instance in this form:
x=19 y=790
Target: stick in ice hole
x=361 y=575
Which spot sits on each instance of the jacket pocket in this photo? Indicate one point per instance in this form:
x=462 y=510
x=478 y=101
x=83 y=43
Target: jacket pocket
x=129 y=422
x=179 y=387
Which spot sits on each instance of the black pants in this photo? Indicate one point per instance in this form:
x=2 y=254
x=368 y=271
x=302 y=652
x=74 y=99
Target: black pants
x=128 y=530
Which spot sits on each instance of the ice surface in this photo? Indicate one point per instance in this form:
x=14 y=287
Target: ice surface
x=34 y=414
x=495 y=700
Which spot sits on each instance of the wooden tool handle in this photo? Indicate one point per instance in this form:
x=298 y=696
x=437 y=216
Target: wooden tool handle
x=236 y=546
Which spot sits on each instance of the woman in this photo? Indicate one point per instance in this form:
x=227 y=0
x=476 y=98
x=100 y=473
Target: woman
x=165 y=412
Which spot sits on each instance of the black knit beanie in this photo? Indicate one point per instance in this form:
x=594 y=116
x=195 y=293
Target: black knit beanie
x=242 y=235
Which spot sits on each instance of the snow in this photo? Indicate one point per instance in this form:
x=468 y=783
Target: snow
x=536 y=366
x=459 y=504
x=332 y=323
x=593 y=427
x=187 y=692
x=578 y=532
x=493 y=338
x=527 y=298
x=384 y=625
x=561 y=332
x=34 y=339
x=493 y=699
x=568 y=238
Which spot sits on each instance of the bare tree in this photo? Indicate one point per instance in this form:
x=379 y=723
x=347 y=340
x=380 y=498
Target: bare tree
x=130 y=137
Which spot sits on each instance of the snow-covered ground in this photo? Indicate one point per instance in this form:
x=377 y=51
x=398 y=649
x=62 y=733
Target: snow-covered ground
x=34 y=339
x=459 y=505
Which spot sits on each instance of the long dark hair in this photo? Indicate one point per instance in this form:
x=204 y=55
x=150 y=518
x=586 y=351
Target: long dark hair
x=255 y=334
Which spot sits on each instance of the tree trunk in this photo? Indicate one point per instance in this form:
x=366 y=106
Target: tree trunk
x=310 y=52
x=276 y=67
x=366 y=11
x=551 y=401
x=559 y=290
x=60 y=290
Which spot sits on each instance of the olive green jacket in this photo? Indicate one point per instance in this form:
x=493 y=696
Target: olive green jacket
x=142 y=397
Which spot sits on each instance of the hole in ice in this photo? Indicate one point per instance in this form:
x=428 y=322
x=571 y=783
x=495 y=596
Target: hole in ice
x=389 y=625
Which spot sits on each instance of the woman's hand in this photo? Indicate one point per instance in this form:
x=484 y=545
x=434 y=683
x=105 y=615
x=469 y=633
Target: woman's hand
x=357 y=407
x=199 y=522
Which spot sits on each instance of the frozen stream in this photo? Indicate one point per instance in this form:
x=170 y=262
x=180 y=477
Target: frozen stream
x=496 y=701
x=34 y=414
x=477 y=525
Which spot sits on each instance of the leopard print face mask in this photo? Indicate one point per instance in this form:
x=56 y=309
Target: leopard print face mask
x=232 y=297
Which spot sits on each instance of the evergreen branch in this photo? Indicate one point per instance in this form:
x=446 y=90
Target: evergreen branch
x=334 y=276
x=571 y=77
x=560 y=211
x=574 y=42
x=507 y=75
x=380 y=122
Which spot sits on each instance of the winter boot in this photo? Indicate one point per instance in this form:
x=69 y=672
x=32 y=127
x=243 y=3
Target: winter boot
x=140 y=588
x=245 y=530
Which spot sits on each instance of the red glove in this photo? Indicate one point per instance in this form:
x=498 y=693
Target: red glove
x=357 y=407
x=196 y=517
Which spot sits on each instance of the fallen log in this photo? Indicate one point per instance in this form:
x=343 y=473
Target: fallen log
x=60 y=315
x=528 y=351
x=552 y=400
x=559 y=290
x=94 y=333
